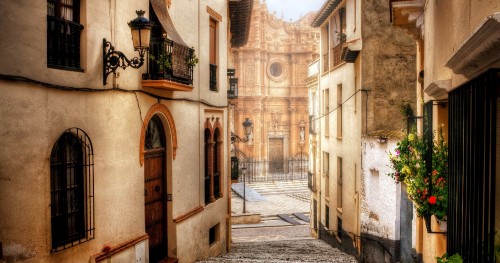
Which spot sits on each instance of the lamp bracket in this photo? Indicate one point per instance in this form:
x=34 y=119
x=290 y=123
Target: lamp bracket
x=113 y=59
x=236 y=139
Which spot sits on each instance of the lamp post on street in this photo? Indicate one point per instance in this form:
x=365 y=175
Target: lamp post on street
x=244 y=171
x=248 y=126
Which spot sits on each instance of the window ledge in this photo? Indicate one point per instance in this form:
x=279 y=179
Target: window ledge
x=339 y=138
x=166 y=85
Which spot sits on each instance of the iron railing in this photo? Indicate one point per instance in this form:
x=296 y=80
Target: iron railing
x=63 y=44
x=337 y=54
x=267 y=171
x=234 y=168
x=472 y=153
x=232 y=92
x=213 y=77
x=171 y=61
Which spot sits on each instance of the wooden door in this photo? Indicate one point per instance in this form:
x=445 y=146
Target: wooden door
x=276 y=155
x=155 y=190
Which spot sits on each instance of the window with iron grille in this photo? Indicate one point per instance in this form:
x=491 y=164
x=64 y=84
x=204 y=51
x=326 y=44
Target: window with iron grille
x=72 y=190
x=473 y=168
x=63 y=34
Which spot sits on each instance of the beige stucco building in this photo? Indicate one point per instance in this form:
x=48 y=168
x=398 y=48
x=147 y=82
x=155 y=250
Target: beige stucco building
x=271 y=70
x=366 y=70
x=458 y=62
x=135 y=170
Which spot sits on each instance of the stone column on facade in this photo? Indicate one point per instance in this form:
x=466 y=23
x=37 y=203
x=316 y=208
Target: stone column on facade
x=293 y=78
x=262 y=72
x=257 y=112
x=241 y=72
x=293 y=126
x=258 y=83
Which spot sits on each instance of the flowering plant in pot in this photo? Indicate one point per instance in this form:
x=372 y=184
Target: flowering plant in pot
x=409 y=167
x=439 y=201
x=428 y=192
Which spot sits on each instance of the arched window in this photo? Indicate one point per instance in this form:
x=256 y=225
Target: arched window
x=72 y=190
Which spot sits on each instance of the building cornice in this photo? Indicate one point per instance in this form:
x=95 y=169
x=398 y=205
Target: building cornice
x=479 y=51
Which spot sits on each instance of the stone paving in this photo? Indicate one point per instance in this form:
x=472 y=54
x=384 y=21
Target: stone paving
x=282 y=249
x=280 y=198
x=273 y=239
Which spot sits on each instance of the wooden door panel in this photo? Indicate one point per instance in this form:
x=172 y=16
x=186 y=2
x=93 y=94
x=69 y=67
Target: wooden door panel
x=276 y=155
x=155 y=204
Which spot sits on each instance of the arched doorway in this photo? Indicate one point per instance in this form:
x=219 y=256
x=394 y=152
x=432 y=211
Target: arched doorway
x=155 y=189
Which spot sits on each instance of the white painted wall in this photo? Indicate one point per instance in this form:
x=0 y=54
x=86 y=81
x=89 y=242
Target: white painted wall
x=380 y=203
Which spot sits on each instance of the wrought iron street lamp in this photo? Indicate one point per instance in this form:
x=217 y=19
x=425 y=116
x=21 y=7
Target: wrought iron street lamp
x=141 y=33
x=244 y=171
x=248 y=126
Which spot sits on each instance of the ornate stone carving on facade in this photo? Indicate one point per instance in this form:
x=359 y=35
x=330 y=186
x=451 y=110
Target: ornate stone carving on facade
x=272 y=69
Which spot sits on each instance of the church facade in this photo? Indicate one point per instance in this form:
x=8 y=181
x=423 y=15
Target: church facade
x=271 y=70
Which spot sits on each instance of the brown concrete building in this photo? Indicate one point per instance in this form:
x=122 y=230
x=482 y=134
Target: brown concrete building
x=271 y=71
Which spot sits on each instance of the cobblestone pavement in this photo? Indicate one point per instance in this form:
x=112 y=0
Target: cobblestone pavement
x=273 y=239
x=280 y=244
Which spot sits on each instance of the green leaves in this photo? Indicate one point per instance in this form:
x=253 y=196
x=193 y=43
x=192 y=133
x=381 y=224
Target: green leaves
x=453 y=259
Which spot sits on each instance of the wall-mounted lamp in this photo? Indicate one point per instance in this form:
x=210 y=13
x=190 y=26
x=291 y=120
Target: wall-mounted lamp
x=141 y=32
x=248 y=126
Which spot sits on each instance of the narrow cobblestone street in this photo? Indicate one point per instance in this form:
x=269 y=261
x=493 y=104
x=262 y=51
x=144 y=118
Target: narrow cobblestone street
x=280 y=244
x=274 y=239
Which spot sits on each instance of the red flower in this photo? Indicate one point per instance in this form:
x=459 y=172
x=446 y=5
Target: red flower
x=432 y=200
x=434 y=172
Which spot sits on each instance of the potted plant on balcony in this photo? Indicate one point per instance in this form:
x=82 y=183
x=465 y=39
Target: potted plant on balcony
x=163 y=63
x=191 y=59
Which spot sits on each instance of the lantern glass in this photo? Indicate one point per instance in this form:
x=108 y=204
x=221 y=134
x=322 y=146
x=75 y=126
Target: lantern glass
x=248 y=125
x=141 y=37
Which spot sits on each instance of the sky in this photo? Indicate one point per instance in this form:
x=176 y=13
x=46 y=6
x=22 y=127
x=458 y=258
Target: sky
x=293 y=9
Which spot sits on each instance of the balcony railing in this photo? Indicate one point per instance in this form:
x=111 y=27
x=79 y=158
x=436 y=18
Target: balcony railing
x=169 y=60
x=63 y=44
x=232 y=92
x=213 y=77
x=337 y=54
